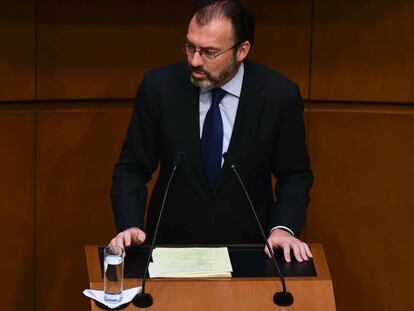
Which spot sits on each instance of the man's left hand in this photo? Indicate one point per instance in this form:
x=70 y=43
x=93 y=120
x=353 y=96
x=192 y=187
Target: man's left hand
x=280 y=238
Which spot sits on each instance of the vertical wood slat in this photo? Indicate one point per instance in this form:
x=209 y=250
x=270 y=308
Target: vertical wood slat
x=17 y=50
x=363 y=51
x=17 y=151
x=361 y=208
x=283 y=30
x=77 y=150
x=101 y=49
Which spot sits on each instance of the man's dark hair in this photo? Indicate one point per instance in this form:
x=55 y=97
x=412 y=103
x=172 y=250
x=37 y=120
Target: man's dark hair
x=242 y=21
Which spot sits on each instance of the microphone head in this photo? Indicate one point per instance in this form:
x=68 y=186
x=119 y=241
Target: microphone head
x=228 y=159
x=283 y=299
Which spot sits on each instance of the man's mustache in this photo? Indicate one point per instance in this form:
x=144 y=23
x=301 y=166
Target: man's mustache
x=198 y=69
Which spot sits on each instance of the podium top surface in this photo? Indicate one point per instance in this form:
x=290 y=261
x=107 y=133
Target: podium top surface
x=248 y=261
x=251 y=287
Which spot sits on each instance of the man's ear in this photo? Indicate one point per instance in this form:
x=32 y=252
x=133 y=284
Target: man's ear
x=243 y=51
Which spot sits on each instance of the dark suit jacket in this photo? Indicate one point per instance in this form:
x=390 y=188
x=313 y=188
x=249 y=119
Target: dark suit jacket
x=268 y=138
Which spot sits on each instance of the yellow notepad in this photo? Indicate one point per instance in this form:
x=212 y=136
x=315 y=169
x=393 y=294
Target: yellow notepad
x=190 y=262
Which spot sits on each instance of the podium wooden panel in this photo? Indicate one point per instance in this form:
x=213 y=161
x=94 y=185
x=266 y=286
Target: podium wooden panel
x=310 y=293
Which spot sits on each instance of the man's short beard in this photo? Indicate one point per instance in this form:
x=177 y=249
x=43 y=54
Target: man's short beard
x=205 y=83
x=211 y=80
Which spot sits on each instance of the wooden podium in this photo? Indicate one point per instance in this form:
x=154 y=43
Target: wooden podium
x=310 y=293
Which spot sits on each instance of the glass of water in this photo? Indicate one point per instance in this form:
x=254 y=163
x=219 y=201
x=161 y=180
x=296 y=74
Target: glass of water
x=113 y=273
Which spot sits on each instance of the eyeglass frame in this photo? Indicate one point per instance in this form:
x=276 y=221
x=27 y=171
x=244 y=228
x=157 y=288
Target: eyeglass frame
x=202 y=52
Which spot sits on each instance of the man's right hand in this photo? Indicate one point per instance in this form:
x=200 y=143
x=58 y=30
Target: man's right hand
x=128 y=237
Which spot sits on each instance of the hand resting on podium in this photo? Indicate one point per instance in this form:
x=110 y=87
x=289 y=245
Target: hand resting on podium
x=129 y=237
x=278 y=238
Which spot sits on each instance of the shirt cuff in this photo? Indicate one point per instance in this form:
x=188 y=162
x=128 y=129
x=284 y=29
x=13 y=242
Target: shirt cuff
x=284 y=228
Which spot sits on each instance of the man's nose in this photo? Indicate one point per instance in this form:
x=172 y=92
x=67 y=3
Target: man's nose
x=196 y=60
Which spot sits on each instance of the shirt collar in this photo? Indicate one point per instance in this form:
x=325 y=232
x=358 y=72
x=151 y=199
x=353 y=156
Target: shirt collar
x=233 y=86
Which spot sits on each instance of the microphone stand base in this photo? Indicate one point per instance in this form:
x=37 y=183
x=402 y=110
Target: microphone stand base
x=283 y=299
x=142 y=300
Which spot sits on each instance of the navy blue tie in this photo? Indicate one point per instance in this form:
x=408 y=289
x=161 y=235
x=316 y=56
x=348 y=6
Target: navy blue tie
x=212 y=138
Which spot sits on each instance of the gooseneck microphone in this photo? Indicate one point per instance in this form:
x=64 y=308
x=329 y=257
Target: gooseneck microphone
x=283 y=298
x=143 y=299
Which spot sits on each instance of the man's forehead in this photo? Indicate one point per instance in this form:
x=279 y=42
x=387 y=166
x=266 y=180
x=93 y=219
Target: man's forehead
x=217 y=32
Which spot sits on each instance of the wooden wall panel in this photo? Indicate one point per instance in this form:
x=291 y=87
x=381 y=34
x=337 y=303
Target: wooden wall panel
x=77 y=150
x=17 y=50
x=283 y=31
x=363 y=51
x=362 y=202
x=101 y=49
x=17 y=145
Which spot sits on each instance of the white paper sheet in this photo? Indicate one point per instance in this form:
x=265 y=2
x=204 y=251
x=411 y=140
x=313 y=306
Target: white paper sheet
x=98 y=295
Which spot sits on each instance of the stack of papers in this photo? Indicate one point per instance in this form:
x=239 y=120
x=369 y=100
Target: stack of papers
x=190 y=262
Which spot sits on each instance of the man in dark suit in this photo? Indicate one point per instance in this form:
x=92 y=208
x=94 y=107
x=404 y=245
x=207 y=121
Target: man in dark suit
x=257 y=117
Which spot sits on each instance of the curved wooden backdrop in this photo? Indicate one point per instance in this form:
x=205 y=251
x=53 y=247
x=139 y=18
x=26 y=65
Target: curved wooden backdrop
x=69 y=71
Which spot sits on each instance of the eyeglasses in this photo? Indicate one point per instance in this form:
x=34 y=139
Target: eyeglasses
x=205 y=54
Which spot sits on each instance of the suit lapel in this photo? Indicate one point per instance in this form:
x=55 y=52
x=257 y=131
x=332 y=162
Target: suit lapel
x=189 y=116
x=246 y=111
